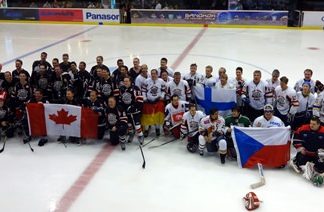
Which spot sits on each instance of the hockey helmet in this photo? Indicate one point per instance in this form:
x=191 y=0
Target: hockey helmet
x=251 y=201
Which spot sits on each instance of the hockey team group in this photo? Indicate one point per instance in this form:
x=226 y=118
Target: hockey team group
x=138 y=102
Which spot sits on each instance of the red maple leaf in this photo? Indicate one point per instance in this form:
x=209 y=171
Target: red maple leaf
x=62 y=117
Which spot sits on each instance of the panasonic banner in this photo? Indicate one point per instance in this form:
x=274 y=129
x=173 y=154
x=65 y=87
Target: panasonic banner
x=101 y=16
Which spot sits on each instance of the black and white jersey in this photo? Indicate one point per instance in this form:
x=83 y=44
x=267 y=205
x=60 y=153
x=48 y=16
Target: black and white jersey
x=115 y=117
x=131 y=96
x=104 y=87
x=98 y=107
x=22 y=92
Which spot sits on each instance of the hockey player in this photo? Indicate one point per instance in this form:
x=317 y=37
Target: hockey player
x=104 y=86
x=318 y=107
x=59 y=89
x=190 y=127
x=304 y=112
x=136 y=69
x=116 y=123
x=273 y=82
x=165 y=77
x=212 y=130
x=153 y=92
x=179 y=87
x=39 y=98
x=193 y=77
x=41 y=80
x=140 y=79
x=118 y=78
x=97 y=106
x=43 y=61
x=239 y=82
x=255 y=96
x=286 y=101
x=224 y=83
x=131 y=100
x=208 y=79
x=18 y=70
x=85 y=78
x=235 y=119
x=65 y=65
x=268 y=119
x=309 y=142
x=5 y=117
x=164 y=66
x=307 y=78
x=93 y=71
x=173 y=115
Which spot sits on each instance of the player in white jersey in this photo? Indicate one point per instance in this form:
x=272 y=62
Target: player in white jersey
x=190 y=127
x=304 y=112
x=208 y=79
x=286 y=101
x=193 y=77
x=153 y=91
x=165 y=77
x=255 y=94
x=212 y=130
x=140 y=79
x=268 y=119
x=273 y=82
x=307 y=78
x=318 y=107
x=239 y=83
x=224 y=83
x=173 y=115
x=163 y=66
x=179 y=87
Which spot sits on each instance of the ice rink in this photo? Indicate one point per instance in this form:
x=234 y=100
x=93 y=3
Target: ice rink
x=97 y=177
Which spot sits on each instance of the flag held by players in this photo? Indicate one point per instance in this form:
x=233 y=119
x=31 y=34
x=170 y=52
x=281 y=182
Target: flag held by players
x=268 y=146
x=65 y=120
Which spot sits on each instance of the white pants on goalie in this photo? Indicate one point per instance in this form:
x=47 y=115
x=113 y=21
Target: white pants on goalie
x=219 y=144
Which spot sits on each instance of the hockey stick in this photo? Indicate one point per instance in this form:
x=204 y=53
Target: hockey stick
x=262 y=178
x=4 y=144
x=30 y=146
x=173 y=139
x=144 y=162
x=140 y=145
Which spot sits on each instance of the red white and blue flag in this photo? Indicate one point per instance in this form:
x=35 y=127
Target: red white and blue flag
x=268 y=146
x=65 y=120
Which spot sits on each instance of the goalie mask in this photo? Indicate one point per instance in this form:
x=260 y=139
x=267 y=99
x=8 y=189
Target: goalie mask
x=251 y=201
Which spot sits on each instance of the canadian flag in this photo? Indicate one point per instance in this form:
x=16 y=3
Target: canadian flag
x=65 y=120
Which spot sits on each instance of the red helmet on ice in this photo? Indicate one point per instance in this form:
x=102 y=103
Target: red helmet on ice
x=251 y=201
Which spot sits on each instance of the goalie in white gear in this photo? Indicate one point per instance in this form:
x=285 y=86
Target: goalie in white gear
x=190 y=127
x=212 y=130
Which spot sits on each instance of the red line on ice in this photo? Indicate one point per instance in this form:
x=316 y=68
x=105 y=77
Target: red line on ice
x=84 y=179
x=186 y=51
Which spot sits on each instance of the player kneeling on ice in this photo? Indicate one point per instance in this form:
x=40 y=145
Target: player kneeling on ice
x=212 y=130
x=116 y=123
x=173 y=116
x=309 y=142
x=190 y=127
x=268 y=119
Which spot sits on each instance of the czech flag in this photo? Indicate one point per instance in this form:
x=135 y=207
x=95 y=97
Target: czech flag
x=268 y=146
